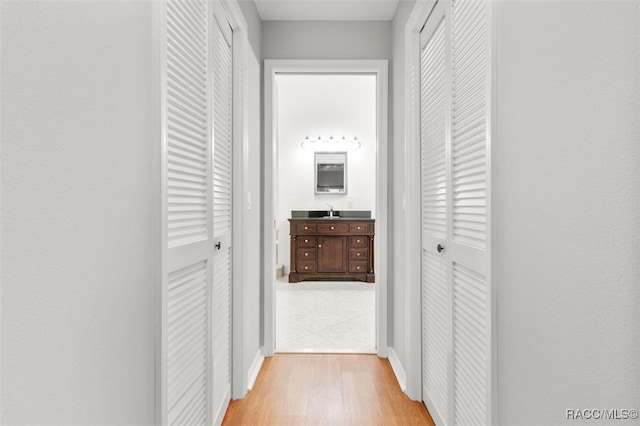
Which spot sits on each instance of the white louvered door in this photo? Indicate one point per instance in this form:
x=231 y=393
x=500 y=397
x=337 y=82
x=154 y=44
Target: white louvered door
x=188 y=266
x=196 y=169
x=455 y=114
x=433 y=154
x=222 y=64
x=468 y=222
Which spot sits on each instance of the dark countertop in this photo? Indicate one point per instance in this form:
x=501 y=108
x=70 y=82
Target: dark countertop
x=339 y=215
x=332 y=218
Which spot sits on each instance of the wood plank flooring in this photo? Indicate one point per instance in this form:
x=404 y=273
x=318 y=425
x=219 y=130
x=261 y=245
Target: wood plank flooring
x=326 y=389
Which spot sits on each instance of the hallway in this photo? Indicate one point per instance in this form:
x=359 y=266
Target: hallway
x=127 y=125
x=324 y=389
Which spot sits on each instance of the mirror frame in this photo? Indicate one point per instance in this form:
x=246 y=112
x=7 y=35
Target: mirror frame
x=315 y=173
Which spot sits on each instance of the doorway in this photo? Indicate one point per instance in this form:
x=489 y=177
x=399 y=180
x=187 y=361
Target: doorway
x=326 y=154
x=273 y=237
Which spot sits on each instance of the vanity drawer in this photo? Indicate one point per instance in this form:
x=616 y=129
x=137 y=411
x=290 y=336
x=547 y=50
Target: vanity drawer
x=333 y=228
x=306 y=241
x=305 y=254
x=357 y=266
x=306 y=267
x=358 y=254
x=306 y=228
x=358 y=241
x=358 y=228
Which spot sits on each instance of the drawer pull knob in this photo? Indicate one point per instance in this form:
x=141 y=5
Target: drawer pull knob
x=319 y=245
x=439 y=248
x=358 y=241
x=306 y=227
x=358 y=267
x=358 y=254
x=333 y=227
x=306 y=254
x=306 y=267
x=358 y=227
x=306 y=241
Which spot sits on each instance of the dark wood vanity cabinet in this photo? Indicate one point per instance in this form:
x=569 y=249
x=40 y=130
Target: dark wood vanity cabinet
x=335 y=249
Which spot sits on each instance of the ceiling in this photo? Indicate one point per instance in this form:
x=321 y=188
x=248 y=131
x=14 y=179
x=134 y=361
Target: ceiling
x=326 y=10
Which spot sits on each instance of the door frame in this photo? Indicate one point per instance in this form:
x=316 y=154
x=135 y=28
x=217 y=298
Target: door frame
x=240 y=201
x=413 y=244
x=413 y=241
x=273 y=67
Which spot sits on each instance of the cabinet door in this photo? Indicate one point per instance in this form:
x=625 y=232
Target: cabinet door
x=332 y=254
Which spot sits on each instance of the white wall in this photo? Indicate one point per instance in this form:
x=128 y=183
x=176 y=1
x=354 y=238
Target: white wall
x=323 y=105
x=397 y=297
x=254 y=28
x=78 y=215
x=569 y=197
x=253 y=252
x=326 y=40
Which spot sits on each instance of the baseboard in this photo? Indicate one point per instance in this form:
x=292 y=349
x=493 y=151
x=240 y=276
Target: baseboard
x=398 y=370
x=437 y=419
x=279 y=270
x=255 y=368
x=219 y=412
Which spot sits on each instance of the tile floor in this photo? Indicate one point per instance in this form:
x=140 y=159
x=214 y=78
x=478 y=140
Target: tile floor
x=325 y=316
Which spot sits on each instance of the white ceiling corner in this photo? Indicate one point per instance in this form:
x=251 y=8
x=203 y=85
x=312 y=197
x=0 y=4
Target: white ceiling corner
x=326 y=10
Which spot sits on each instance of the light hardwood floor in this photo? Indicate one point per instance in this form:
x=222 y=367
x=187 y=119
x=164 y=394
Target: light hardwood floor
x=326 y=389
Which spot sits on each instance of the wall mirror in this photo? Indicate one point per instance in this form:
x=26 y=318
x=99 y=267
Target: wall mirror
x=331 y=173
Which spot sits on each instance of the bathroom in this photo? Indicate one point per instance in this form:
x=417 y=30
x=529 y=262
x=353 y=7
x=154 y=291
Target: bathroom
x=337 y=113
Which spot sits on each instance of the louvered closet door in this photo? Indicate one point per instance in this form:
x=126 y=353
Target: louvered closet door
x=433 y=153
x=222 y=198
x=188 y=264
x=469 y=220
x=456 y=292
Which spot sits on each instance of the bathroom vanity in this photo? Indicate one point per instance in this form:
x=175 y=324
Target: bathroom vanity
x=332 y=248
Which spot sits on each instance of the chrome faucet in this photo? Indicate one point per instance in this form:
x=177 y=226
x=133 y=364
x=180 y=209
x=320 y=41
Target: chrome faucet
x=331 y=210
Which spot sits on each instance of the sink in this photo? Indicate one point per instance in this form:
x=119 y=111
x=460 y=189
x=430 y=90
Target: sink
x=321 y=214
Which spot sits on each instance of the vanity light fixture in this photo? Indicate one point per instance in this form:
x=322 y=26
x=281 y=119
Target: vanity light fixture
x=330 y=145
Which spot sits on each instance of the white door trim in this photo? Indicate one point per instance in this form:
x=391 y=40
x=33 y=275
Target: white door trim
x=271 y=69
x=239 y=365
x=160 y=267
x=413 y=245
